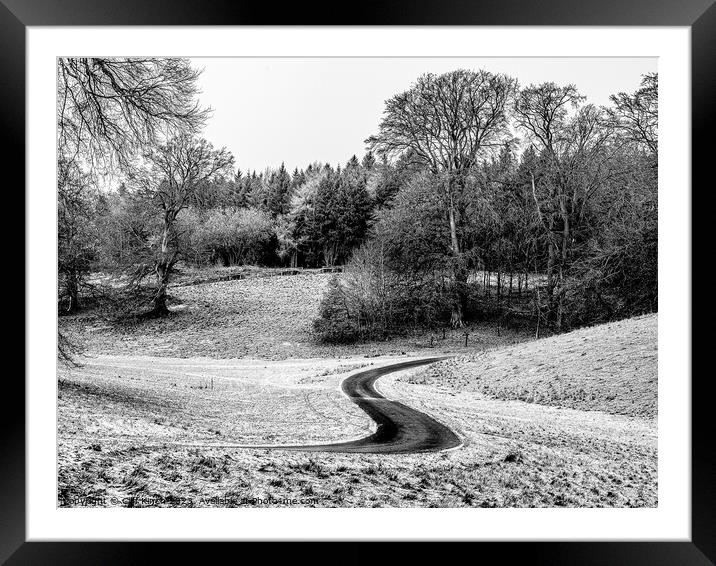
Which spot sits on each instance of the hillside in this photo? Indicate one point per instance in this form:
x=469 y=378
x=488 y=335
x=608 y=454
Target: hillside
x=257 y=317
x=163 y=428
x=610 y=367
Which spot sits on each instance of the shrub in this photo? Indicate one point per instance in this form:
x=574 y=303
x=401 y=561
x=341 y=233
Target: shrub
x=334 y=323
x=244 y=236
x=371 y=300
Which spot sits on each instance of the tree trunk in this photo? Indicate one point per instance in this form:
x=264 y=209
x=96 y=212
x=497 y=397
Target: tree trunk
x=563 y=262
x=500 y=284
x=460 y=297
x=163 y=270
x=459 y=273
x=537 y=301
x=159 y=302
x=560 y=291
x=551 y=281
x=72 y=288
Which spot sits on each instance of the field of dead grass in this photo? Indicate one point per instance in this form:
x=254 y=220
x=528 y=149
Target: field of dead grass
x=257 y=317
x=154 y=415
x=610 y=367
x=141 y=432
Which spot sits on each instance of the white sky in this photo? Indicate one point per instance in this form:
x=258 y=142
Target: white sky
x=300 y=110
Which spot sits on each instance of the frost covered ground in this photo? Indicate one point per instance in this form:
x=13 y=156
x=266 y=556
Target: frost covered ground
x=154 y=415
x=611 y=367
x=261 y=317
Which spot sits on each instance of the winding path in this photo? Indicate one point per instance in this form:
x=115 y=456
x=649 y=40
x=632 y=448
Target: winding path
x=400 y=430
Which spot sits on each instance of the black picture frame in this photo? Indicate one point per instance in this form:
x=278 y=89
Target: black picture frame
x=699 y=15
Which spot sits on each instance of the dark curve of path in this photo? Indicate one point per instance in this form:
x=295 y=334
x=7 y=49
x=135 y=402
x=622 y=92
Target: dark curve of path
x=401 y=430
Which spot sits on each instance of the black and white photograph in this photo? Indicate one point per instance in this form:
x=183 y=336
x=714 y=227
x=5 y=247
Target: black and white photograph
x=357 y=282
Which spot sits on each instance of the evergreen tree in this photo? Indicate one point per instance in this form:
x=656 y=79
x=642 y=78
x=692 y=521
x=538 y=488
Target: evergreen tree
x=278 y=197
x=297 y=179
x=368 y=161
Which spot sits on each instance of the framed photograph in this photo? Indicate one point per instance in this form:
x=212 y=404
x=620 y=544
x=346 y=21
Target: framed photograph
x=423 y=274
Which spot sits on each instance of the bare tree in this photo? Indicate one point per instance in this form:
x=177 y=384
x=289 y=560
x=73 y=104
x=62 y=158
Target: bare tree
x=175 y=171
x=447 y=122
x=573 y=141
x=637 y=115
x=109 y=110
x=76 y=235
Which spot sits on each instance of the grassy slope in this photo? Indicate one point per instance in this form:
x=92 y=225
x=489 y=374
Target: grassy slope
x=611 y=367
x=269 y=318
x=578 y=410
x=152 y=427
x=134 y=427
x=154 y=401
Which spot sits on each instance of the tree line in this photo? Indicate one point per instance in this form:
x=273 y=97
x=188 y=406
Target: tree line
x=476 y=198
x=518 y=205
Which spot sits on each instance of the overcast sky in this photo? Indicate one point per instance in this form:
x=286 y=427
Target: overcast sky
x=300 y=110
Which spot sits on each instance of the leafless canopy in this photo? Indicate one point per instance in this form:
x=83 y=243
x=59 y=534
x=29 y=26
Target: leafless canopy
x=543 y=110
x=173 y=173
x=109 y=109
x=567 y=134
x=445 y=120
x=178 y=168
x=638 y=114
